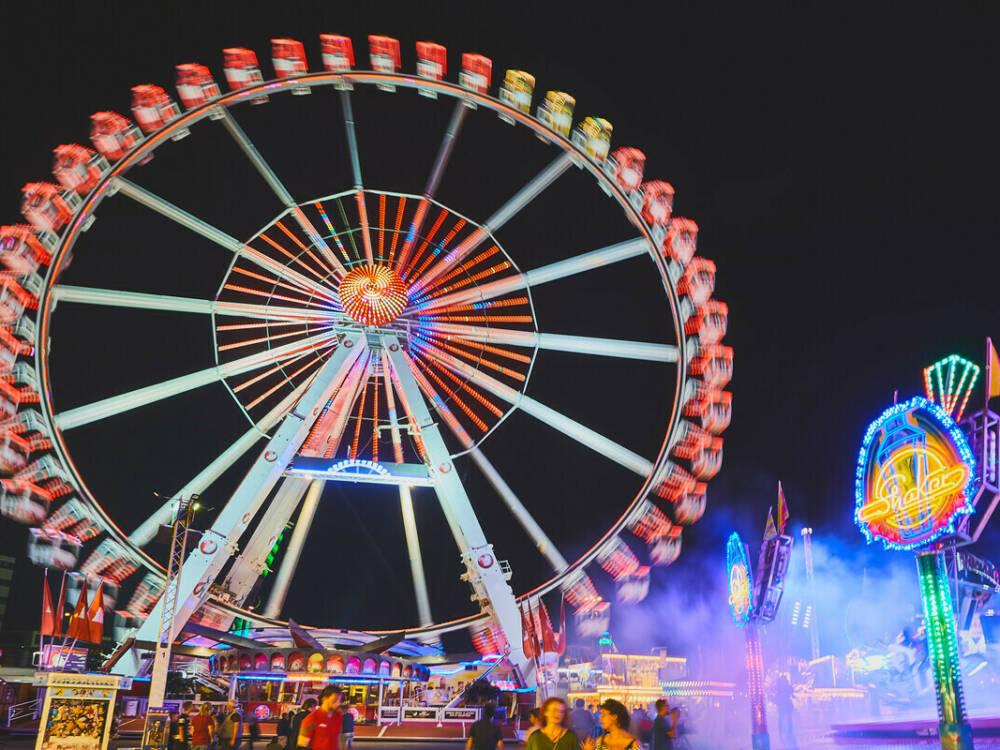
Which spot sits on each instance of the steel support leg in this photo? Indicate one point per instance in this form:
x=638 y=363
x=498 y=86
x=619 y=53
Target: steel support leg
x=416 y=559
x=219 y=543
x=250 y=564
x=279 y=590
x=483 y=570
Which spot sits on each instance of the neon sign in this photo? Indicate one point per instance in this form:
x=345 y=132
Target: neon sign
x=344 y=468
x=951 y=380
x=740 y=597
x=915 y=476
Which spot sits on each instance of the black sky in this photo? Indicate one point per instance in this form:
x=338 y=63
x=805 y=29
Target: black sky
x=840 y=163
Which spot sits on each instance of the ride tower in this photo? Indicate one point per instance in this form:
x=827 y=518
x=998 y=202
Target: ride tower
x=754 y=601
x=927 y=483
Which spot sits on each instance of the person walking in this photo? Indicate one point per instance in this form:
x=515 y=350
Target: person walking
x=581 y=721
x=484 y=734
x=614 y=723
x=320 y=728
x=535 y=722
x=230 y=728
x=554 y=734
x=296 y=722
x=284 y=728
x=664 y=726
x=203 y=728
x=786 y=709
x=346 y=728
x=253 y=730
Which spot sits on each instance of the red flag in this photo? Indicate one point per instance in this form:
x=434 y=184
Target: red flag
x=549 y=642
x=48 y=613
x=782 y=510
x=79 y=626
x=562 y=627
x=95 y=616
x=60 y=609
x=527 y=642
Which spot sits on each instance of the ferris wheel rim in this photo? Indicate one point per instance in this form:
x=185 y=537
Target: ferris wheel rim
x=154 y=140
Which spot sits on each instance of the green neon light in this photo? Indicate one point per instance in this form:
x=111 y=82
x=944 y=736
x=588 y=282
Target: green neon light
x=949 y=382
x=942 y=644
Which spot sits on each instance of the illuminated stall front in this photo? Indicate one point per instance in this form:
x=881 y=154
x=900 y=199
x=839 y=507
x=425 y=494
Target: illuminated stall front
x=270 y=681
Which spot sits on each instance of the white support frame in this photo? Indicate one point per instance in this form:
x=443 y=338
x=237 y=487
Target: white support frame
x=250 y=564
x=484 y=570
x=219 y=543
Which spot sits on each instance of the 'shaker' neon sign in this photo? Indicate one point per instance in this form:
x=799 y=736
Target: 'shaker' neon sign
x=915 y=476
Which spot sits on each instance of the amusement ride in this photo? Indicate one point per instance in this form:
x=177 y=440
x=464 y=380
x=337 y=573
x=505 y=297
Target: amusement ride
x=368 y=336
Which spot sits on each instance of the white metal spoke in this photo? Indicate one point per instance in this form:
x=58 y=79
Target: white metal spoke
x=293 y=553
x=107 y=407
x=521 y=513
x=207 y=561
x=561 y=343
x=143 y=301
x=430 y=189
x=504 y=214
x=511 y=500
x=406 y=509
x=233 y=245
x=584 y=435
x=278 y=187
x=165 y=513
x=544 y=274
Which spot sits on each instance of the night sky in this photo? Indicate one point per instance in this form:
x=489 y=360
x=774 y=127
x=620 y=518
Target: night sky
x=841 y=167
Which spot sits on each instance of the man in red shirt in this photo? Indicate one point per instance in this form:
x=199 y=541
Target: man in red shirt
x=321 y=728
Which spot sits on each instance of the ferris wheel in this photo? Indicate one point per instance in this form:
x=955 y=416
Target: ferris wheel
x=368 y=336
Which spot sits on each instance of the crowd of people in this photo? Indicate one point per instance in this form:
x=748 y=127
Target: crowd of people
x=322 y=724
x=327 y=724
x=605 y=727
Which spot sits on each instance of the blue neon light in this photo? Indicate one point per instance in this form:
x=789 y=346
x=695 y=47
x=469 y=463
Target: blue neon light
x=957 y=437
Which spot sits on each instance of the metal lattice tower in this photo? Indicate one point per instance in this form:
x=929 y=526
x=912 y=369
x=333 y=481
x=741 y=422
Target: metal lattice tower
x=178 y=544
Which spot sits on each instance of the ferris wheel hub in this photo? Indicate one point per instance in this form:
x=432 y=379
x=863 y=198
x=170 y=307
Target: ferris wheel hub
x=373 y=295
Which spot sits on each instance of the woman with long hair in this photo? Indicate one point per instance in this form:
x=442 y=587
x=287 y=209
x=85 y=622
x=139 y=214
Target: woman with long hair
x=614 y=723
x=554 y=734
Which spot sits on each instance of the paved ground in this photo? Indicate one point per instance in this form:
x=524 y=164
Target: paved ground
x=812 y=741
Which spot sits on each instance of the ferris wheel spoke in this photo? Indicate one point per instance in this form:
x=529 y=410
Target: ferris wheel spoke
x=511 y=500
x=558 y=421
x=352 y=147
x=108 y=407
x=504 y=214
x=279 y=188
x=406 y=508
x=437 y=170
x=166 y=303
x=561 y=269
x=146 y=532
x=560 y=342
x=233 y=245
x=541 y=540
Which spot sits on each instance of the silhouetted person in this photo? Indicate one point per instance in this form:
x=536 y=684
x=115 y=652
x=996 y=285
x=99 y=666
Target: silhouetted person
x=484 y=734
x=581 y=721
x=786 y=709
